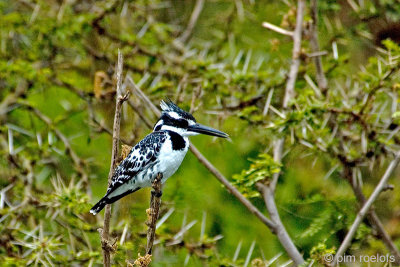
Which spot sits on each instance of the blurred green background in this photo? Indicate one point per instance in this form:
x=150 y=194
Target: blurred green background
x=57 y=60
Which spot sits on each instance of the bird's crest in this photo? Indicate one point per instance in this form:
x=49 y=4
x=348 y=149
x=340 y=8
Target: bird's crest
x=168 y=106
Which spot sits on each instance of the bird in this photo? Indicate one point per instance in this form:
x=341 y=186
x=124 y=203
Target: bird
x=160 y=152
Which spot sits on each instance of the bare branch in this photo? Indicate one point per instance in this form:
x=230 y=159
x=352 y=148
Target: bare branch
x=116 y=130
x=364 y=210
x=231 y=189
x=278 y=152
x=317 y=54
x=290 y=84
x=281 y=233
x=277 y=29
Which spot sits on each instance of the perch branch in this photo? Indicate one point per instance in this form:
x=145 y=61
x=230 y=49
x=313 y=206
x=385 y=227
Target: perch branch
x=152 y=216
x=155 y=203
x=106 y=246
x=364 y=210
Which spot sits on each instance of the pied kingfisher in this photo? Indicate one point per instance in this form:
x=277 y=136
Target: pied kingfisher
x=162 y=151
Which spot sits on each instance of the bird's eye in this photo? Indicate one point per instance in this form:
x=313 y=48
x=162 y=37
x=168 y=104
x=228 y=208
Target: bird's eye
x=158 y=127
x=183 y=123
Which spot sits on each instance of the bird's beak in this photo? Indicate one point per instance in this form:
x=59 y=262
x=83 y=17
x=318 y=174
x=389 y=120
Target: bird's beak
x=201 y=129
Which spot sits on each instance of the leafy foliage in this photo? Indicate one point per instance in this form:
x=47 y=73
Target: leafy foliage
x=261 y=169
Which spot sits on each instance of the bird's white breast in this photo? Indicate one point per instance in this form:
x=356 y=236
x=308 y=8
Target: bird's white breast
x=169 y=159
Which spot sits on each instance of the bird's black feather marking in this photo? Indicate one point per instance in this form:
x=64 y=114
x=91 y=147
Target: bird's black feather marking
x=178 y=143
x=99 y=206
x=179 y=123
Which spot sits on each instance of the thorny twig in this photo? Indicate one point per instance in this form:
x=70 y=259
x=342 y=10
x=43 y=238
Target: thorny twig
x=348 y=170
x=107 y=248
x=96 y=23
x=348 y=165
x=365 y=208
x=100 y=126
x=372 y=216
x=372 y=92
x=197 y=93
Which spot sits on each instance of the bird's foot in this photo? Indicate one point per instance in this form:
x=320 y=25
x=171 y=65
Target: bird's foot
x=156 y=194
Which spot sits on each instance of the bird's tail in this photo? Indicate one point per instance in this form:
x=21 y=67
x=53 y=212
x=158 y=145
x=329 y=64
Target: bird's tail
x=109 y=198
x=99 y=205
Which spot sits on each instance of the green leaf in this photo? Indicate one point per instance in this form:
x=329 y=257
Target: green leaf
x=261 y=169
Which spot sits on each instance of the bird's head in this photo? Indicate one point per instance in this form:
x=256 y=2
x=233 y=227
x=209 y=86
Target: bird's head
x=175 y=119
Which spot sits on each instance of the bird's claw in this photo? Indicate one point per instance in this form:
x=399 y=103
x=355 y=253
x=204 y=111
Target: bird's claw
x=156 y=194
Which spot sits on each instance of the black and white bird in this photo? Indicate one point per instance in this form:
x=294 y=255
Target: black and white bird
x=162 y=151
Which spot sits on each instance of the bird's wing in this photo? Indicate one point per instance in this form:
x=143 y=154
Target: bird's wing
x=141 y=157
